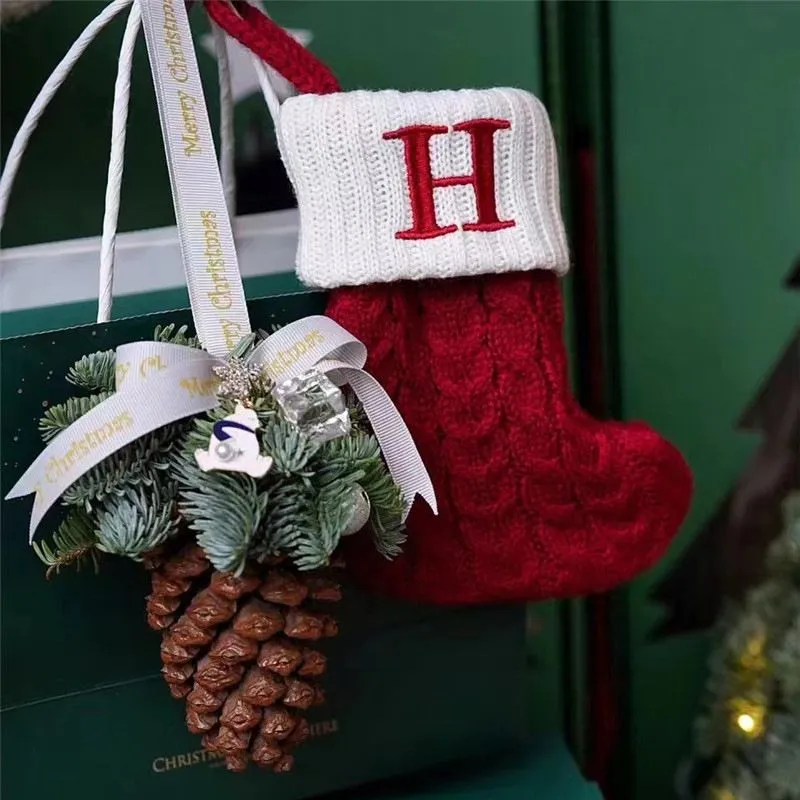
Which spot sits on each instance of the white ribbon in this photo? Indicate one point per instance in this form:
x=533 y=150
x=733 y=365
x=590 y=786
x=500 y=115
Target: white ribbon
x=158 y=383
x=319 y=342
x=204 y=228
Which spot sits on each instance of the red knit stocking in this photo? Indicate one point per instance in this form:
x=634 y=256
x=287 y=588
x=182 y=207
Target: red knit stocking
x=536 y=498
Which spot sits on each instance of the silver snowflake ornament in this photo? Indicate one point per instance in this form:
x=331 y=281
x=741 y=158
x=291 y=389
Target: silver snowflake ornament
x=237 y=377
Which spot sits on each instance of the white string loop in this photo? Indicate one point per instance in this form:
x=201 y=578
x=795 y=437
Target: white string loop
x=51 y=86
x=119 y=121
x=227 y=147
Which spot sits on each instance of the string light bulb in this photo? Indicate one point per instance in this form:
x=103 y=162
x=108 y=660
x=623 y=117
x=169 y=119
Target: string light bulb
x=748 y=716
x=746 y=722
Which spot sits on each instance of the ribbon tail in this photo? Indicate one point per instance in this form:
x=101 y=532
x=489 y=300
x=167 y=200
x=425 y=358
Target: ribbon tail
x=401 y=454
x=109 y=426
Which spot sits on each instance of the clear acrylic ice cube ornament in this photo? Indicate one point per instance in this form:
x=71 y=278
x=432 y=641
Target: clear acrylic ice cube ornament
x=313 y=403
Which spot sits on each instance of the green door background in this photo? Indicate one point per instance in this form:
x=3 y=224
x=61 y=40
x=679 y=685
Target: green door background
x=706 y=153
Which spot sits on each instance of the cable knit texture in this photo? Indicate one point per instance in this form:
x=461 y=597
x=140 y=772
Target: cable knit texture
x=537 y=499
x=412 y=185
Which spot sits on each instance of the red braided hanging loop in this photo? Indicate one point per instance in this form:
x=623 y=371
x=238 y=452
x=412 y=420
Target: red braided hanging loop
x=273 y=45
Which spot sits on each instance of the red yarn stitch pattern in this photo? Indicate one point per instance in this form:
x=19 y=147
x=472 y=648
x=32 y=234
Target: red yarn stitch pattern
x=536 y=498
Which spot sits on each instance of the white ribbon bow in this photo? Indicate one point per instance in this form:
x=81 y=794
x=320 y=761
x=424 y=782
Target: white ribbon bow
x=159 y=383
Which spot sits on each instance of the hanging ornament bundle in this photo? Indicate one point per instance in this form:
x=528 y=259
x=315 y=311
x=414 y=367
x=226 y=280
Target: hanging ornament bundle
x=230 y=464
x=434 y=218
x=237 y=514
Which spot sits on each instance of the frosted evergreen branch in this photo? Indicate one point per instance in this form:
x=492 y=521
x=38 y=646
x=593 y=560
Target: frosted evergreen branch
x=226 y=509
x=172 y=334
x=290 y=448
x=323 y=531
x=387 y=506
x=95 y=372
x=136 y=522
x=346 y=458
x=135 y=465
x=287 y=518
x=73 y=544
x=59 y=417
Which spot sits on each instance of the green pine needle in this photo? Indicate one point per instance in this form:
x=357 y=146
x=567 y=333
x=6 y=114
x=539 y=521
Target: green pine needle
x=173 y=334
x=287 y=517
x=59 y=417
x=226 y=509
x=136 y=464
x=74 y=544
x=290 y=448
x=95 y=372
x=136 y=522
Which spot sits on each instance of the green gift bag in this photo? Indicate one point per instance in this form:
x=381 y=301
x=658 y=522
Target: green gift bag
x=407 y=687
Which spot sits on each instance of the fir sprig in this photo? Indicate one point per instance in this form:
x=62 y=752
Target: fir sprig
x=73 y=544
x=137 y=522
x=172 y=334
x=95 y=372
x=226 y=510
x=59 y=417
x=135 y=465
x=137 y=498
x=287 y=520
x=290 y=448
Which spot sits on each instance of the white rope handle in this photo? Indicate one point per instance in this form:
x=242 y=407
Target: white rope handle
x=227 y=147
x=265 y=74
x=119 y=121
x=46 y=94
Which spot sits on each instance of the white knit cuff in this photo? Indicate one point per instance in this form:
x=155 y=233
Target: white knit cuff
x=405 y=186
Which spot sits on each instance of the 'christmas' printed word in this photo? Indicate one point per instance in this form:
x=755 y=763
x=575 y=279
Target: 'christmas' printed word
x=176 y=66
x=284 y=359
x=195 y=757
x=58 y=466
x=216 y=265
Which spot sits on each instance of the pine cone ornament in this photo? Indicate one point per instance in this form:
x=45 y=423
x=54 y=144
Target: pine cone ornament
x=240 y=651
x=243 y=568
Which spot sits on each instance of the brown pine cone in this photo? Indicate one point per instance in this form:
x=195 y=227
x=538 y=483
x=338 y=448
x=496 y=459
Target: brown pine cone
x=171 y=581
x=237 y=649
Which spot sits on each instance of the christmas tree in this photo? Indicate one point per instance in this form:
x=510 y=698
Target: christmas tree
x=747 y=740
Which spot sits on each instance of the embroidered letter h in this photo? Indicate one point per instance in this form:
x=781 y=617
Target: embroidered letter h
x=421 y=183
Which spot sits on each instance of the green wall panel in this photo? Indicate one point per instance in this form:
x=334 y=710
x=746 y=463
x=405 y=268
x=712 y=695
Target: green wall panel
x=706 y=131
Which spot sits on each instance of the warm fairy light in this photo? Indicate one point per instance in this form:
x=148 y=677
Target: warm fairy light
x=749 y=716
x=746 y=722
